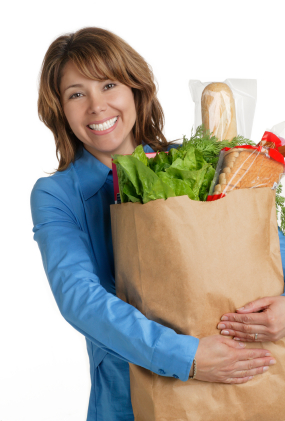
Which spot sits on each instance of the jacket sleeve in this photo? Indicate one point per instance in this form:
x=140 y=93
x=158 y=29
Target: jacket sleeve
x=282 y=250
x=113 y=325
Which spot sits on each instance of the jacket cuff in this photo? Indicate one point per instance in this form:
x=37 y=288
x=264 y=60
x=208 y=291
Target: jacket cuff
x=173 y=355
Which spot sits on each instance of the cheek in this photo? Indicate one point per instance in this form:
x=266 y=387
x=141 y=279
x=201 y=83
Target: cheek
x=126 y=104
x=71 y=116
x=132 y=112
x=68 y=114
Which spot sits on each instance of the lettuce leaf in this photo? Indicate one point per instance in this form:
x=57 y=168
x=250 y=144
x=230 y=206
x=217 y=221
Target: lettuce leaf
x=146 y=185
x=181 y=171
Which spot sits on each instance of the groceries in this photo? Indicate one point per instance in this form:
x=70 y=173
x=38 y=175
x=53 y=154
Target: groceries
x=247 y=167
x=172 y=254
x=197 y=169
x=219 y=111
x=184 y=170
x=166 y=175
x=190 y=169
x=184 y=263
x=232 y=101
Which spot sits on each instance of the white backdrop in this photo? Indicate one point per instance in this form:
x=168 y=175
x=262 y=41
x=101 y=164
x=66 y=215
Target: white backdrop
x=44 y=369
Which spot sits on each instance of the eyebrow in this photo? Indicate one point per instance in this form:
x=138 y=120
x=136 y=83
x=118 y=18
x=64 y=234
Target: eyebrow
x=77 y=85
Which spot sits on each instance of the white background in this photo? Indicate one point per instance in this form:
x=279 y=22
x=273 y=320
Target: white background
x=44 y=369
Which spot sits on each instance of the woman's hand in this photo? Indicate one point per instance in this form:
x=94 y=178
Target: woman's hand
x=222 y=360
x=259 y=321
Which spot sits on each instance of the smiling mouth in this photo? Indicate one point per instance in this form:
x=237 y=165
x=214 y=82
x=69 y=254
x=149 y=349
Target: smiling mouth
x=103 y=126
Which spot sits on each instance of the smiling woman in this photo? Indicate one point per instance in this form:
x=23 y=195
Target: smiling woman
x=100 y=113
x=91 y=77
x=97 y=96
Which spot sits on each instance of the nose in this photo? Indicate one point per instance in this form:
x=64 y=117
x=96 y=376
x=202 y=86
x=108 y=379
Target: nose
x=97 y=103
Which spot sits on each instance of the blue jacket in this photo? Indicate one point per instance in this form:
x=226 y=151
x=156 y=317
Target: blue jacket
x=71 y=216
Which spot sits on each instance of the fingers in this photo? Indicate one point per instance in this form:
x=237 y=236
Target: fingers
x=247 y=319
x=255 y=306
x=240 y=327
x=252 y=333
x=253 y=372
x=245 y=368
x=242 y=378
x=261 y=338
x=266 y=325
x=223 y=360
x=238 y=336
x=244 y=354
x=238 y=380
x=250 y=337
x=233 y=344
x=252 y=354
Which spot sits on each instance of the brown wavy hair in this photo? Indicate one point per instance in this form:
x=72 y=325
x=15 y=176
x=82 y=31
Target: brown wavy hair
x=99 y=55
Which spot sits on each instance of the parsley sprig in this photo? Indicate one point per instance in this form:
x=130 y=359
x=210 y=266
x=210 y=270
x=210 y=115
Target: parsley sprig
x=280 y=208
x=210 y=147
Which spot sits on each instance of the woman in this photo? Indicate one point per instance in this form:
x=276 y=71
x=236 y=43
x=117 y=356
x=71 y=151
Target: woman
x=98 y=97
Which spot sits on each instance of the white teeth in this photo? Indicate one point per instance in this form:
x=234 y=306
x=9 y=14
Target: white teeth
x=104 y=126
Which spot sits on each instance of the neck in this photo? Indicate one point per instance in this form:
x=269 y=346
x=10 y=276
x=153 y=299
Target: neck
x=106 y=156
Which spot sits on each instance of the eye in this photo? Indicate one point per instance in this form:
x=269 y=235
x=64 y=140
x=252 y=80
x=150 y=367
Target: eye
x=109 y=86
x=76 y=95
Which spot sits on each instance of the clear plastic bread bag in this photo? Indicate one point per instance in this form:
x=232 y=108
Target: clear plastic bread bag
x=275 y=137
x=247 y=167
x=279 y=130
x=225 y=108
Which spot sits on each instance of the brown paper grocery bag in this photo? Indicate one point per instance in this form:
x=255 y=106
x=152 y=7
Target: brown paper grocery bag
x=183 y=264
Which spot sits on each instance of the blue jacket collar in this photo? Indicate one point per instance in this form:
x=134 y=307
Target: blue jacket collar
x=92 y=174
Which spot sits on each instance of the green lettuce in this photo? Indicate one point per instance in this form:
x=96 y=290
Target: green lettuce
x=137 y=180
x=185 y=170
x=177 y=173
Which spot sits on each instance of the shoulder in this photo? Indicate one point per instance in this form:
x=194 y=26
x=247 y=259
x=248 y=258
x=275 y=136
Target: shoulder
x=59 y=183
x=57 y=178
x=147 y=148
x=174 y=145
x=54 y=192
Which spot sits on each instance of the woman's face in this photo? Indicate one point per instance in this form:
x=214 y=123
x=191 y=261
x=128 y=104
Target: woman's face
x=100 y=113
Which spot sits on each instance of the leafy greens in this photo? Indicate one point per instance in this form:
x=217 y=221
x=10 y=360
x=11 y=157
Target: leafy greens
x=185 y=170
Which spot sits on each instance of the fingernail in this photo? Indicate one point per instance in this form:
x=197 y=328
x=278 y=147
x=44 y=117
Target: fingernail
x=265 y=368
x=267 y=354
x=250 y=378
x=271 y=362
x=221 y=326
x=236 y=339
x=242 y=344
x=241 y=308
x=225 y=332
x=224 y=318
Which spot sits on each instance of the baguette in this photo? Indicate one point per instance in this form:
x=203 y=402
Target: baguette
x=218 y=111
